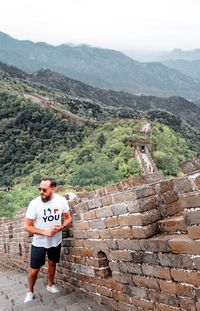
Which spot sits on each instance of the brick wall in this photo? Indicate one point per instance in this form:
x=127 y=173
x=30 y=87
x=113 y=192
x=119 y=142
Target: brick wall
x=122 y=248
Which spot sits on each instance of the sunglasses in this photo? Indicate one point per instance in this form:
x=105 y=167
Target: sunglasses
x=42 y=189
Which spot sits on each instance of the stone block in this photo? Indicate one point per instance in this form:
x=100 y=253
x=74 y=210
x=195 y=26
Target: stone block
x=192 y=216
x=144 y=281
x=120 y=233
x=156 y=271
x=120 y=255
x=186 y=276
x=194 y=232
x=94 y=203
x=129 y=244
x=190 y=200
x=97 y=224
x=170 y=196
x=111 y=222
x=145 y=231
x=119 y=209
x=106 y=200
x=88 y=215
x=104 y=212
x=183 y=244
x=145 y=191
x=182 y=185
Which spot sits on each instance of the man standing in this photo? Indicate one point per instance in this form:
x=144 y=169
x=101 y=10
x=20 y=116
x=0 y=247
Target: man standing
x=44 y=219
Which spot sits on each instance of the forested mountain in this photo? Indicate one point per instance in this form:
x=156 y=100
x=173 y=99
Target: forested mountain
x=98 y=67
x=37 y=138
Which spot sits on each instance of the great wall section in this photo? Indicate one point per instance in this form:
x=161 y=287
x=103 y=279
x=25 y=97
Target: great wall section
x=132 y=246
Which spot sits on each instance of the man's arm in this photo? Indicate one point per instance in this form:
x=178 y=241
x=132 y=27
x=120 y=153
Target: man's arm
x=66 y=219
x=29 y=227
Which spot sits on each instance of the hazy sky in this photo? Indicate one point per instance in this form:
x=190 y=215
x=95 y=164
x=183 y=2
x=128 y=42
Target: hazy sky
x=118 y=24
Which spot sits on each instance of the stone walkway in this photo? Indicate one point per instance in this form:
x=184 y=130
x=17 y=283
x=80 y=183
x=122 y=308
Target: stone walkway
x=13 y=289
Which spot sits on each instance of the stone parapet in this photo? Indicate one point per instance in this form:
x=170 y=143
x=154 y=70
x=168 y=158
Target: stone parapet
x=116 y=250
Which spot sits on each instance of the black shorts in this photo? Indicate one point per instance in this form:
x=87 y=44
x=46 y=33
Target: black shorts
x=38 y=255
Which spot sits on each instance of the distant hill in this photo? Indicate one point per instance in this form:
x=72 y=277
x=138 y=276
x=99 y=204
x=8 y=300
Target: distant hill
x=189 y=67
x=176 y=105
x=98 y=67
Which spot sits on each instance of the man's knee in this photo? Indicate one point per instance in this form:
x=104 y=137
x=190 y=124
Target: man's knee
x=33 y=272
x=51 y=263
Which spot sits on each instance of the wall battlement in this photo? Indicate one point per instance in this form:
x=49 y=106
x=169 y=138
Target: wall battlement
x=134 y=245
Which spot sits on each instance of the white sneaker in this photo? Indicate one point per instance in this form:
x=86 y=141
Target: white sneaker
x=29 y=297
x=52 y=289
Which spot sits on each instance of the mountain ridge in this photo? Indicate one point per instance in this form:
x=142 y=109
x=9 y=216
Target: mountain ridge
x=99 y=67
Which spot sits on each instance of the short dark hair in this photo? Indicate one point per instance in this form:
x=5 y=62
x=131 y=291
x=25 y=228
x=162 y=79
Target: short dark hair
x=51 y=179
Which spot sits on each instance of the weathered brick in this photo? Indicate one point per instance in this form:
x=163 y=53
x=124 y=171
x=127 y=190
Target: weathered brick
x=163 y=307
x=174 y=224
x=119 y=296
x=104 y=291
x=156 y=271
x=190 y=200
x=121 y=233
x=136 y=291
x=155 y=244
x=111 y=189
x=129 y=244
x=122 y=197
x=145 y=231
x=182 y=185
x=143 y=257
x=186 y=276
x=105 y=234
x=79 y=234
x=170 y=196
x=183 y=244
x=83 y=225
x=130 y=268
x=120 y=255
x=92 y=234
x=145 y=191
x=104 y=212
x=173 y=208
x=144 y=304
x=163 y=298
x=133 y=219
x=165 y=186
x=175 y=260
x=147 y=204
x=119 y=209
x=192 y=217
x=187 y=304
x=176 y=288
x=194 y=232
x=94 y=203
x=100 y=245
x=124 y=278
x=88 y=215
x=106 y=200
x=143 y=281
x=97 y=224
x=111 y=222
x=126 y=307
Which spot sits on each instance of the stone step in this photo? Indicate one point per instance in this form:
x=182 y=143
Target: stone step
x=13 y=289
x=174 y=224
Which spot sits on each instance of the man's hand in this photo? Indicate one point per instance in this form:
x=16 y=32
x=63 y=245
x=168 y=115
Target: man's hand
x=51 y=232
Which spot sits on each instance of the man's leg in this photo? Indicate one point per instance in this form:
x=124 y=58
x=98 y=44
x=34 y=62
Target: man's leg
x=53 y=258
x=51 y=272
x=32 y=277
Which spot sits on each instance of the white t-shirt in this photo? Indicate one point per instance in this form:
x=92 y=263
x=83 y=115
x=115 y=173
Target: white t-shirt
x=45 y=216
